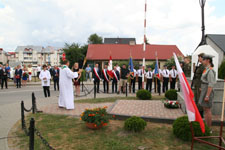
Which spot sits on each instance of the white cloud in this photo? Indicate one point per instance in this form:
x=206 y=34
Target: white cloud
x=54 y=22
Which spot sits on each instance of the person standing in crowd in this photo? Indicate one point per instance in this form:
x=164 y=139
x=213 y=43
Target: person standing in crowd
x=133 y=80
x=38 y=70
x=4 y=74
x=50 y=71
x=149 y=75
x=66 y=92
x=25 y=76
x=165 y=75
x=96 y=77
x=197 y=82
x=118 y=67
x=105 y=78
x=14 y=76
x=8 y=69
x=88 y=72
x=208 y=81
x=0 y=76
x=140 y=72
x=187 y=67
x=157 y=80
x=18 y=74
x=55 y=74
x=45 y=77
x=76 y=80
x=29 y=69
x=123 y=78
x=116 y=78
x=173 y=77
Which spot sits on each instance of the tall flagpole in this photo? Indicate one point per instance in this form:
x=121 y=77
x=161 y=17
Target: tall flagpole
x=144 y=46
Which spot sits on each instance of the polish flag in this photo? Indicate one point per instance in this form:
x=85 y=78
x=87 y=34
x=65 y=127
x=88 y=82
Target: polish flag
x=109 y=70
x=192 y=110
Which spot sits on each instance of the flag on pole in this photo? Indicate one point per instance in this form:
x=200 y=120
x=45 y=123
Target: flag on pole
x=192 y=110
x=157 y=73
x=109 y=70
x=131 y=67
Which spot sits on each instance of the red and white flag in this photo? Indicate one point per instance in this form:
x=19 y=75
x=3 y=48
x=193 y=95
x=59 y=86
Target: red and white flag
x=192 y=110
x=109 y=70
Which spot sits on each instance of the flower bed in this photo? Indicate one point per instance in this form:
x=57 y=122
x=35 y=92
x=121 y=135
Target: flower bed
x=171 y=104
x=97 y=117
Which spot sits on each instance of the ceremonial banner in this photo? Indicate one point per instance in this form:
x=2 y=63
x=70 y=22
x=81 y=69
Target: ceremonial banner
x=192 y=110
x=131 y=67
x=109 y=71
x=157 y=73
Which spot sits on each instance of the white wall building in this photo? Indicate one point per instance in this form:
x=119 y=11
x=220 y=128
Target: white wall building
x=3 y=56
x=35 y=55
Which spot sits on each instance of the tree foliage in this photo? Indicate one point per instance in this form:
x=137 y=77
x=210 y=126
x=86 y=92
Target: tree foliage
x=170 y=62
x=95 y=39
x=221 y=72
x=75 y=53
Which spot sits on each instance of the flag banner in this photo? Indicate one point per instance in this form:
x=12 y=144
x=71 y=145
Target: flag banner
x=157 y=68
x=131 y=68
x=192 y=110
x=109 y=71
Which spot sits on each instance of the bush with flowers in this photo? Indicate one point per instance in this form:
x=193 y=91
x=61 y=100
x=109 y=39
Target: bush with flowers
x=96 y=116
x=171 y=104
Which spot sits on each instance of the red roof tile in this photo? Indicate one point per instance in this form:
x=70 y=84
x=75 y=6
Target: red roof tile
x=122 y=51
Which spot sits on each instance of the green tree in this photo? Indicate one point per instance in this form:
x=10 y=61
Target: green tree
x=75 y=53
x=95 y=39
x=170 y=62
x=221 y=72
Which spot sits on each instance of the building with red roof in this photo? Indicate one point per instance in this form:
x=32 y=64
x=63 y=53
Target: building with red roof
x=101 y=52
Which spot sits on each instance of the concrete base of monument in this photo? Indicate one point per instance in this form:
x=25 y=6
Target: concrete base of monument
x=217 y=101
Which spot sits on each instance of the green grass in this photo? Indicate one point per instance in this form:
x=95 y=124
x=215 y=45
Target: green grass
x=66 y=132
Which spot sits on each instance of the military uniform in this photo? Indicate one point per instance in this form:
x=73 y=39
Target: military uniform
x=208 y=79
x=197 y=85
x=187 y=70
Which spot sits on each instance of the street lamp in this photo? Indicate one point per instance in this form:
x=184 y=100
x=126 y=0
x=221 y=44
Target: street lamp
x=202 y=4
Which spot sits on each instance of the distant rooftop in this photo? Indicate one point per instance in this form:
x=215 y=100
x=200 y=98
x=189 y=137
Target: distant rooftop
x=218 y=39
x=119 y=40
x=39 y=49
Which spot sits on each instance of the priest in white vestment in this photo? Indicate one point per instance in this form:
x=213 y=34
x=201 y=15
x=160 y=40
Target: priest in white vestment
x=66 y=95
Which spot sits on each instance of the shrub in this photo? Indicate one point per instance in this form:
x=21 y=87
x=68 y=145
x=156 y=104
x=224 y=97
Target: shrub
x=97 y=116
x=221 y=72
x=135 y=124
x=143 y=94
x=171 y=94
x=182 y=130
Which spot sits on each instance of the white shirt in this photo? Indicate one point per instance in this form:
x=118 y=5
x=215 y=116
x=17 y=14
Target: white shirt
x=165 y=73
x=39 y=69
x=135 y=72
x=149 y=75
x=139 y=72
x=45 y=74
x=118 y=68
x=173 y=73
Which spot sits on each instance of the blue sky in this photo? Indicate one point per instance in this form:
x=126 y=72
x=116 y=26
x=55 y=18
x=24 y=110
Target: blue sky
x=219 y=7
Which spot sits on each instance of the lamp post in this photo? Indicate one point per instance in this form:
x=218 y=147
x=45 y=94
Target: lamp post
x=202 y=4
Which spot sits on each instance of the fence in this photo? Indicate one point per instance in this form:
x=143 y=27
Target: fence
x=32 y=129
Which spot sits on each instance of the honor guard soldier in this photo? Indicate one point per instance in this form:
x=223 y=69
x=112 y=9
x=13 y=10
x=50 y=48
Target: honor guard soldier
x=208 y=81
x=187 y=67
x=157 y=80
x=149 y=75
x=116 y=78
x=165 y=74
x=173 y=77
x=197 y=81
x=140 y=72
x=105 y=79
x=96 y=77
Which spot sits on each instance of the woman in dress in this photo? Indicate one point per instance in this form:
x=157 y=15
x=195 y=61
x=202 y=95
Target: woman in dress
x=24 y=75
x=77 y=80
x=207 y=94
x=45 y=80
x=29 y=69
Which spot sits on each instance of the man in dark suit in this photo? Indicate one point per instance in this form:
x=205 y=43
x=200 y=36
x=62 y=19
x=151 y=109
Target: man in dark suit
x=96 y=76
x=115 y=80
x=105 y=78
x=55 y=75
x=3 y=74
x=18 y=74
